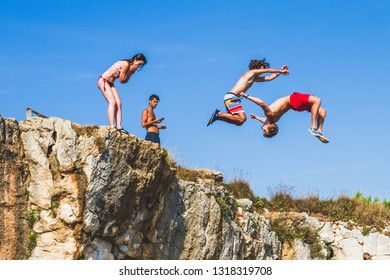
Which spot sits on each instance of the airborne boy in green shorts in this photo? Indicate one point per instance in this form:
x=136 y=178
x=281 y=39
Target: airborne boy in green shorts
x=235 y=113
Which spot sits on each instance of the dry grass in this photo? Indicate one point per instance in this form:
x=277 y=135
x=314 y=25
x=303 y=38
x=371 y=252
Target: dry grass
x=192 y=175
x=182 y=172
x=186 y=174
x=90 y=131
x=240 y=189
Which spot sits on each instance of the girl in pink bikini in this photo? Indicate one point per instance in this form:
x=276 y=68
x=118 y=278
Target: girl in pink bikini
x=122 y=69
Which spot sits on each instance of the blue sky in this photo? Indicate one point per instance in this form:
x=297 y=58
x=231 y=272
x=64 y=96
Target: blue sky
x=52 y=53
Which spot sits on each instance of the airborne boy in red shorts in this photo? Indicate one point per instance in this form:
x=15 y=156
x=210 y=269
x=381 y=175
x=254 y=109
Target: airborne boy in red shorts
x=297 y=102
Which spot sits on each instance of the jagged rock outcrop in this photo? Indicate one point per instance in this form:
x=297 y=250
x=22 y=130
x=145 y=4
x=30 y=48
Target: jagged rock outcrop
x=333 y=240
x=86 y=192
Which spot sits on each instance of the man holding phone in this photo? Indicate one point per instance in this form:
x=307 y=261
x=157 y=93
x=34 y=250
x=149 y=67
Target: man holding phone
x=150 y=122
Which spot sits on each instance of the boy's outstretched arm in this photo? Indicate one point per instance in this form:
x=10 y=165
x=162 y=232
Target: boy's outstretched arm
x=253 y=116
x=274 y=73
x=267 y=111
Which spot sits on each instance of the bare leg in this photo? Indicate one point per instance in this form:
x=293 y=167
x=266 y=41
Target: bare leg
x=237 y=119
x=321 y=118
x=110 y=98
x=118 y=111
x=316 y=102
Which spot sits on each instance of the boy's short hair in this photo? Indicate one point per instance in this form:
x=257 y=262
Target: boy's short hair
x=257 y=64
x=154 y=96
x=273 y=129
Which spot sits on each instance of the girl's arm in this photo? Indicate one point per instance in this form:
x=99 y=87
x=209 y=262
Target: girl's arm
x=125 y=74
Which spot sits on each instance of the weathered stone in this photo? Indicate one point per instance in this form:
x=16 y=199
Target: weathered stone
x=98 y=250
x=14 y=230
x=326 y=234
x=66 y=213
x=302 y=250
x=348 y=249
x=377 y=246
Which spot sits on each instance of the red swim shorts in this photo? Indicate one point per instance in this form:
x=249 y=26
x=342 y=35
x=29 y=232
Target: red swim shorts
x=300 y=102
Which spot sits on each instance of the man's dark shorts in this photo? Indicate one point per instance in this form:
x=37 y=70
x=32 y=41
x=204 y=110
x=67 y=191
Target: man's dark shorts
x=153 y=137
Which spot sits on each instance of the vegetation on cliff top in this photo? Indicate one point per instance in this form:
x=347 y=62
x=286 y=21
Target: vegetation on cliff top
x=365 y=211
x=361 y=210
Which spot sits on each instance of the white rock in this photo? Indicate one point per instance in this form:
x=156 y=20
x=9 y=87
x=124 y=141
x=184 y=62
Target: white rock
x=302 y=250
x=99 y=250
x=326 y=234
x=377 y=245
x=349 y=249
x=66 y=213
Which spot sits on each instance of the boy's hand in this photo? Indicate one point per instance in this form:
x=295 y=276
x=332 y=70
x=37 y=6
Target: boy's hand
x=285 y=70
x=253 y=116
x=243 y=94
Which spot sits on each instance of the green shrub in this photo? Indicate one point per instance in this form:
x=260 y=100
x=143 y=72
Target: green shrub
x=32 y=240
x=225 y=206
x=288 y=230
x=33 y=216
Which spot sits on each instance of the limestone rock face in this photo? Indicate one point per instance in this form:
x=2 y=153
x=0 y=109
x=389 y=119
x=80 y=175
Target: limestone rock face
x=13 y=193
x=86 y=192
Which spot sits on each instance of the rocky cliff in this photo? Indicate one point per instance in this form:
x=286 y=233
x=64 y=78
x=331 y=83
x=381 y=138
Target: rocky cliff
x=86 y=192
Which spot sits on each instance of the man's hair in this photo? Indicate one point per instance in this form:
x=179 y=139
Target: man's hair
x=154 y=96
x=257 y=64
x=273 y=129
